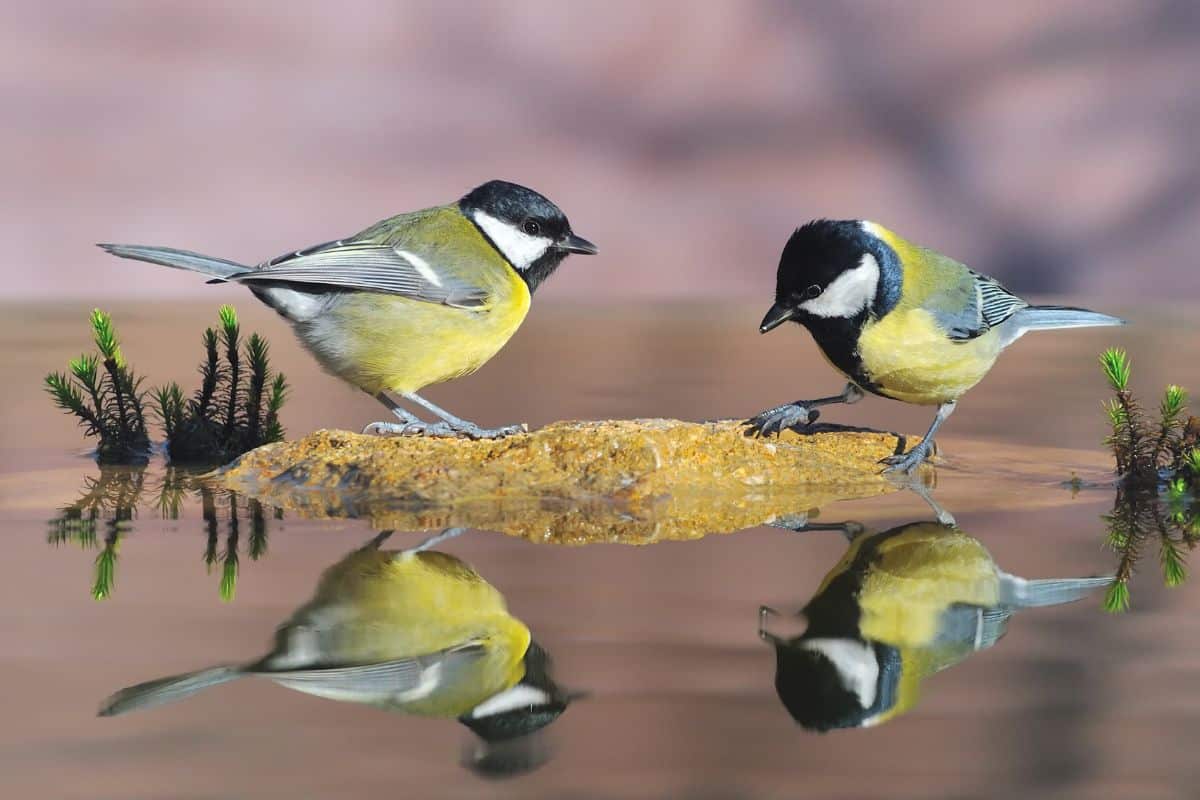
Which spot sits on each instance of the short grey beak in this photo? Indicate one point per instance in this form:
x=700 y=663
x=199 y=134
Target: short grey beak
x=778 y=315
x=578 y=244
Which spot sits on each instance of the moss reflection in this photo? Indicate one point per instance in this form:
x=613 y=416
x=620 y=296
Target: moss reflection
x=1144 y=519
x=103 y=515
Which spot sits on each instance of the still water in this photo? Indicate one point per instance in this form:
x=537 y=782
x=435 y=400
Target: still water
x=664 y=671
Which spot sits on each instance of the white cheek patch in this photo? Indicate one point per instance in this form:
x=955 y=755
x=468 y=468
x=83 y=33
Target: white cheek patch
x=856 y=666
x=518 y=247
x=850 y=292
x=519 y=696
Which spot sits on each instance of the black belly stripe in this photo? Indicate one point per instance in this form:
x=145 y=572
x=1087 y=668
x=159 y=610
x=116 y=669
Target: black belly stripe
x=838 y=339
x=836 y=612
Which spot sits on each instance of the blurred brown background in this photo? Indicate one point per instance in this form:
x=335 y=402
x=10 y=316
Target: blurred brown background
x=1051 y=144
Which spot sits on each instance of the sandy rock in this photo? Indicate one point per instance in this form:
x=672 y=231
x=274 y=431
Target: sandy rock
x=634 y=481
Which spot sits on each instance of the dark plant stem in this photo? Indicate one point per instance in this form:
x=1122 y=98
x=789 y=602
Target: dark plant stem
x=114 y=376
x=233 y=357
x=210 y=374
x=1162 y=449
x=208 y=510
x=1132 y=418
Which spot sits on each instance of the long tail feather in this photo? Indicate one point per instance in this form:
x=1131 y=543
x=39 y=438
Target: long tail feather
x=167 y=690
x=179 y=259
x=1022 y=593
x=1037 y=318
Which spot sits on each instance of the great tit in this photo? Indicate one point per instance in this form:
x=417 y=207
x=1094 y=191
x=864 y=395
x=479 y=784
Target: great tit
x=899 y=606
x=413 y=300
x=897 y=320
x=416 y=631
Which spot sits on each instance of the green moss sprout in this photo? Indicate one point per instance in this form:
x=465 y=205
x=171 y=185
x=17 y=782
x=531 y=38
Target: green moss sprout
x=1148 y=450
x=236 y=407
x=104 y=394
x=1158 y=465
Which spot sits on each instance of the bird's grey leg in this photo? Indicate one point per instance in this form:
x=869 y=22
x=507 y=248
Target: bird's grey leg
x=462 y=427
x=798 y=523
x=436 y=539
x=915 y=456
x=914 y=484
x=378 y=540
x=801 y=412
x=763 y=633
x=409 y=424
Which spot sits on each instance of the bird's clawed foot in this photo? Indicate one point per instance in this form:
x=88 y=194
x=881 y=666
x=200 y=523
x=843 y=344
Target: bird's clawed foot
x=905 y=463
x=472 y=431
x=468 y=430
x=417 y=428
x=775 y=420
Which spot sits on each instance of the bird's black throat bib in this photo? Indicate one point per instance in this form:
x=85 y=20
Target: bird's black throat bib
x=838 y=339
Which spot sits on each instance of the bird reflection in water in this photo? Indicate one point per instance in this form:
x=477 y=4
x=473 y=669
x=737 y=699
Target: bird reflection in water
x=416 y=631
x=899 y=606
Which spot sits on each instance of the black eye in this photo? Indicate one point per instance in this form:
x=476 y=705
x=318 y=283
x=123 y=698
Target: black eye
x=812 y=292
x=531 y=227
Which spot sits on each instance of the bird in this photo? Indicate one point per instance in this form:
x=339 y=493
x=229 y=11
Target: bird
x=897 y=320
x=413 y=300
x=900 y=605
x=416 y=631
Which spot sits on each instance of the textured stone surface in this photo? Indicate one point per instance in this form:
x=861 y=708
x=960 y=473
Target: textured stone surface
x=633 y=481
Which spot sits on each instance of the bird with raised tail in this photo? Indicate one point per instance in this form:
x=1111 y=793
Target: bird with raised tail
x=413 y=300
x=898 y=320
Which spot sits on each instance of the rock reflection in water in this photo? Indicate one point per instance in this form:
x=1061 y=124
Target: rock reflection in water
x=899 y=606
x=416 y=631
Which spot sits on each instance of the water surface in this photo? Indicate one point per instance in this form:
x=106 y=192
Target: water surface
x=1072 y=702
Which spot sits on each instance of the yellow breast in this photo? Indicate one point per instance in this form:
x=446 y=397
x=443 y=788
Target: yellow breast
x=918 y=575
x=907 y=354
x=909 y=358
x=379 y=606
x=385 y=342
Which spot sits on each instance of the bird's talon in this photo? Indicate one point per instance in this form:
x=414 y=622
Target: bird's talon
x=775 y=420
x=476 y=433
x=409 y=429
x=906 y=462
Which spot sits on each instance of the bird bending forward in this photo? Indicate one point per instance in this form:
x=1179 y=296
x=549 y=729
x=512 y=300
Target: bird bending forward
x=897 y=320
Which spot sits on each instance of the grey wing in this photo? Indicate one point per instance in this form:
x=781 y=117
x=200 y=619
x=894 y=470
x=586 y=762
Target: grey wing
x=405 y=678
x=972 y=627
x=988 y=304
x=963 y=630
x=371 y=267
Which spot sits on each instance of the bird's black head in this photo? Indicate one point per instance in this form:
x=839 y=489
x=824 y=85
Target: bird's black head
x=530 y=232
x=834 y=270
x=528 y=706
x=826 y=684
